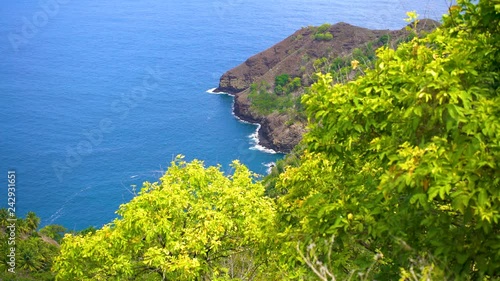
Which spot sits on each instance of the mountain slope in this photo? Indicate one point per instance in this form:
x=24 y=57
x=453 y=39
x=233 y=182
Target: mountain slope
x=302 y=54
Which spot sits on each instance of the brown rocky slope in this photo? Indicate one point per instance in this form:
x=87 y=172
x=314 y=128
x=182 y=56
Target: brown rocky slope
x=295 y=56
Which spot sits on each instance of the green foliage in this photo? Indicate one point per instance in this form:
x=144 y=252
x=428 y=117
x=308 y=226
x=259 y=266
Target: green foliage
x=281 y=80
x=294 y=84
x=327 y=36
x=53 y=231
x=34 y=254
x=88 y=230
x=194 y=224
x=280 y=83
x=398 y=177
x=402 y=163
x=323 y=28
x=341 y=67
x=365 y=55
x=265 y=102
x=320 y=63
x=384 y=39
x=292 y=159
x=284 y=84
x=322 y=33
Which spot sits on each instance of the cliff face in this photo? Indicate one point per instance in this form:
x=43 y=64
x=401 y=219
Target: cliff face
x=295 y=56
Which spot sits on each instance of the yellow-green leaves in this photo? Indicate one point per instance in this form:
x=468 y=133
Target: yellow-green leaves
x=189 y=224
x=405 y=159
x=411 y=16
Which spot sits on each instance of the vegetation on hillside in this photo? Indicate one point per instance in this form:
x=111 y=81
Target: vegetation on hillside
x=194 y=224
x=266 y=101
x=322 y=33
x=34 y=250
x=397 y=178
x=400 y=176
x=283 y=97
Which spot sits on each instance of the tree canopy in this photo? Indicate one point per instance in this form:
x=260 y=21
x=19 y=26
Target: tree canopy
x=34 y=251
x=402 y=163
x=193 y=223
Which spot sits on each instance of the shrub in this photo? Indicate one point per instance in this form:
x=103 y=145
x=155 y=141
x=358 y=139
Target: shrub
x=324 y=27
x=327 y=36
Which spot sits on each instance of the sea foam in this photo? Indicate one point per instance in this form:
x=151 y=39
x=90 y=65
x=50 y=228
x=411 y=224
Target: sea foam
x=254 y=140
x=254 y=137
x=213 y=92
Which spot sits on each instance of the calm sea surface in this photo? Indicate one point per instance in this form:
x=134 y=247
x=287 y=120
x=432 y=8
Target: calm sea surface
x=98 y=96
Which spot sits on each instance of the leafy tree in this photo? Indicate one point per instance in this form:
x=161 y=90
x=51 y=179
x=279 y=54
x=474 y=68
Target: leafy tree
x=322 y=33
x=90 y=229
x=401 y=168
x=32 y=222
x=53 y=231
x=327 y=36
x=294 y=84
x=280 y=82
x=33 y=254
x=193 y=224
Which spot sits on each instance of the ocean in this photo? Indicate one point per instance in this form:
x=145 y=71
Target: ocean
x=97 y=97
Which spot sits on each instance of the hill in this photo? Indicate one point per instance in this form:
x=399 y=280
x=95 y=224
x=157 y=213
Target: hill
x=327 y=48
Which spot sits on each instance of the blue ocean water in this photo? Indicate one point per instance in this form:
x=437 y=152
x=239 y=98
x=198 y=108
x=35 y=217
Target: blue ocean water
x=98 y=96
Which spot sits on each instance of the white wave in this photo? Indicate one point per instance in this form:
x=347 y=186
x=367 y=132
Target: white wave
x=269 y=166
x=263 y=149
x=213 y=92
x=134 y=176
x=254 y=139
x=244 y=121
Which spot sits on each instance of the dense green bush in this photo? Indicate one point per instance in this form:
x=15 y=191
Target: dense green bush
x=281 y=80
x=323 y=28
x=400 y=177
x=322 y=33
x=194 y=224
x=34 y=255
x=264 y=101
x=327 y=36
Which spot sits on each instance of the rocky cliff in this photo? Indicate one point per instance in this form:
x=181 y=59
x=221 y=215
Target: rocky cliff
x=298 y=56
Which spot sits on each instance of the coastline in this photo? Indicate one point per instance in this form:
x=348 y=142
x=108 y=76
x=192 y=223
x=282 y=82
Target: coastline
x=299 y=57
x=256 y=137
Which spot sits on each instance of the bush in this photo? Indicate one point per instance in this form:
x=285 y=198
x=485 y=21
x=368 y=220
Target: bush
x=384 y=39
x=401 y=171
x=327 y=36
x=195 y=223
x=281 y=80
x=323 y=28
